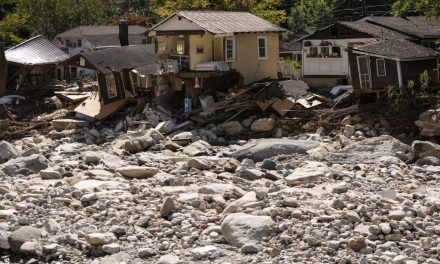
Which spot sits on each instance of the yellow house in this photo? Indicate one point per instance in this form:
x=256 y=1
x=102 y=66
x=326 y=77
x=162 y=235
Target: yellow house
x=203 y=41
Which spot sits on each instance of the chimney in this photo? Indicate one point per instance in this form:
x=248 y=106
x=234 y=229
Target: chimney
x=123 y=33
x=3 y=69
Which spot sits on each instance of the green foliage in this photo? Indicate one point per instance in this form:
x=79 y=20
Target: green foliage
x=309 y=15
x=295 y=63
x=14 y=28
x=430 y=8
x=424 y=80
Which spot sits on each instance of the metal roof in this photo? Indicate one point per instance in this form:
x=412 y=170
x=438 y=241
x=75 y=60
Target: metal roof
x=121 y=58
x=224 y=22
x=82 y=31
x=36 y=51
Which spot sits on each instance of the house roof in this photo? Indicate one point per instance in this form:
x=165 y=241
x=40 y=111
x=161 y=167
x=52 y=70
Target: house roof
x=289 y=47
x=396 y=49
x=120 y=58
x=105 y=36
x=36 y=51
x=224 y=22
x=374 y=30
x=420 y=27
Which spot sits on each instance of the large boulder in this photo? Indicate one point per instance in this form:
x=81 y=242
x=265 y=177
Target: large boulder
x=263 y=125
x=197 y=148
x=239 y=229
x=7 y=151
x=423 y=149
x=32 y=164
x=24 y=234
x=429 y=123
x=260 y=149
x=369 y=150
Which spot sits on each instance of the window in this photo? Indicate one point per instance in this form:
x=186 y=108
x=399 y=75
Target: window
x=161 y=47
x=112 y=92
x=144 y=41
x=262 y=47
x=68 y=43
x=325 y=51
x=180 y=48
x=79 y=43
x=336 y=52
x=230 y=49
x=313 y=52
x=380 y=66
x=200 y=49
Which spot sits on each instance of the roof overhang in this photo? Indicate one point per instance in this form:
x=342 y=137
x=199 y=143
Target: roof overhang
x=354 y=50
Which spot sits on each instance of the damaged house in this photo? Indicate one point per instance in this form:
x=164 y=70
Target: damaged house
x=123 y=73
x=33 y=64
x=326 y=61
x=89 y=38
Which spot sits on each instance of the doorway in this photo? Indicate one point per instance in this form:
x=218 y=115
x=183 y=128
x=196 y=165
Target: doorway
x=364 y=72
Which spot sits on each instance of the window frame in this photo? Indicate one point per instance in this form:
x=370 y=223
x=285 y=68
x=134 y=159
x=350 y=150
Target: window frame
x=180 y=42
x=79 y=43
x=321 y=51
x=265 y=47
x=384 y=67
x=234 y=54
x=108 y=84
x=310 y=52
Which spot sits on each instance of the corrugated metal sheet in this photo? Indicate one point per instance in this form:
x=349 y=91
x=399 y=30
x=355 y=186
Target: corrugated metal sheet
x=36 y=51
x=84 y=31
x=222 y=22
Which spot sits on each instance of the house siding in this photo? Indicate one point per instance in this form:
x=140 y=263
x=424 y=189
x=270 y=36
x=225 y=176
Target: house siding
x=207 y=42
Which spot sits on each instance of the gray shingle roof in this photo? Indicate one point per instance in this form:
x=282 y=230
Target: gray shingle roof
x=118 y=59
x=420 y=27
x=36 y=51
x=396 y=49
x=224 y=22
x=374 y=30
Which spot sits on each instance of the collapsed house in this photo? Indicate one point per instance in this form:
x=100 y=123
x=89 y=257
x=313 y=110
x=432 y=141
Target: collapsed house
x=123 y=74
x=34 y=64
x=89 y=38
x=326 y=61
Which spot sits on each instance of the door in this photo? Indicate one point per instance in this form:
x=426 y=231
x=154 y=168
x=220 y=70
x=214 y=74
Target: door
x=364 y=72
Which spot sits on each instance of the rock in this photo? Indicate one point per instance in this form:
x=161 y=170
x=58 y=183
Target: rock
x=99 y=239
x=249 y=249
x=168 y=259
x=50 y=175
x=165 y=127
x=232 y=128
x=51 y=226
x=200 y=164
x=396 y=215
x=208 y=252
x=429 y=123
x=146 y=253
x=197 y=148
x=251 y=174
x=338 y=204
x=25 y=165
x=260 y=149
x=24 y=234
x=92 y=158
x=263 y=125
x=167 y=207
x=111 y=248
x=66 y=124
x=430 y=161
x=309 y=173
x=368 y=151
x=137 y=171
x=239 y=229
x=423 y=149
x=357 y=243
x=184 y=138
x=269 y=164
x=118 y=258
x=248 y=200
x=7 y=151
x=349 y=130
x=341 y=188
x=31 y=248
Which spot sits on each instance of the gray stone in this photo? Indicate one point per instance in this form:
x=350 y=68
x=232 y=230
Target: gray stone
x=137 y=171
x=25 y=165
x=24 y=234
x=396 y=215
x=7 y=151
x=168 y=259
x=263 y=125
x=118 y=258
x=269 y=164
x=432 y=161
x=197 y=148
x=207 y=252
x=309 y=173
x=146 y=253
x=31 y=248
x=50 y=175
x=232 y=128
x=260 y=149
x=239 y=229
x=357 y=243
x=423 y=149
x=198 y=163
x=249 y=249
x=167 y=207
x=251 y=174
x=99 y=239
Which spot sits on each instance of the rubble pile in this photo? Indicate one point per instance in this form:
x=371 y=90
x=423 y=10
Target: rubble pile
x=178 y=197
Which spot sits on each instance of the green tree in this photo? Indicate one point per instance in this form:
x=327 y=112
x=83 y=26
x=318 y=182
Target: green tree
x=430 y=8
x=309 y=15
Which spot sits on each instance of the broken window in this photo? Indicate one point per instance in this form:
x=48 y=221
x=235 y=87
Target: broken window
x=180 y=49
x=230 y=49
x=262 y=47
x=112 y=92
x=313 y=52
x=79 y=43
x=200 y=49
x=380 y=65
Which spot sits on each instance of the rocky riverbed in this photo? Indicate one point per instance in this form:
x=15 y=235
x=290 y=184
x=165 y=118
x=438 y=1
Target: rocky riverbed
x=146 y=198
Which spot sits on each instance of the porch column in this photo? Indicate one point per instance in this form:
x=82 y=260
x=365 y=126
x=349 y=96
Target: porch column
x=3 y=69
x=399 y=74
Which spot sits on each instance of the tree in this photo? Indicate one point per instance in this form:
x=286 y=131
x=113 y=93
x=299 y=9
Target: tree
x=309 y=15
x=430 y=8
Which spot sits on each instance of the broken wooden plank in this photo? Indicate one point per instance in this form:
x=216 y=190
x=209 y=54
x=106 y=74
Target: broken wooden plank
x=283 y=106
